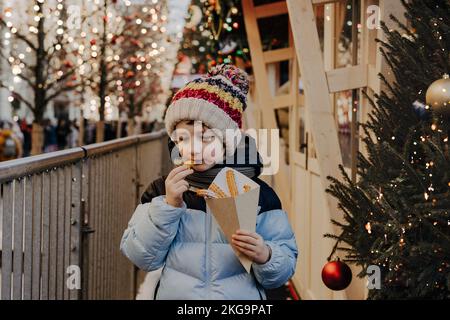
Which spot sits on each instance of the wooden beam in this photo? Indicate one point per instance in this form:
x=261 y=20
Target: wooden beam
x=270 y=10
x=283 y=101
x=263 y=90
x=373 y=81
x=278 y=55
x=319 y=2
x=347 y=78
x=265 y=98
x=318 y=103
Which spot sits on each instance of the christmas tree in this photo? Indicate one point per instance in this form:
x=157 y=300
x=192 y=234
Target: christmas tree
x=214 y=34
x=397 y=215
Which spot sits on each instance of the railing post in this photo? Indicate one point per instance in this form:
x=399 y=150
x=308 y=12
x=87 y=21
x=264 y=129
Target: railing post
x=86 y=230
x=76 y=223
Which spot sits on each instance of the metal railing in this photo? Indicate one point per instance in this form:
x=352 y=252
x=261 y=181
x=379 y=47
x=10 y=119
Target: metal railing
x=62 y=216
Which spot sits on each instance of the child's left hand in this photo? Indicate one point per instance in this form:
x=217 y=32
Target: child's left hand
x=252 y=245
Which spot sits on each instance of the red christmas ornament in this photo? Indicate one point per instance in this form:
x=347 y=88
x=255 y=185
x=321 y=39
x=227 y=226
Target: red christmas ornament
x=336 y=275
x=93 y=41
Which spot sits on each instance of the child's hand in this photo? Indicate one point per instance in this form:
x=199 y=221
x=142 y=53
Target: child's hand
x=252 y=245
x=176 y=185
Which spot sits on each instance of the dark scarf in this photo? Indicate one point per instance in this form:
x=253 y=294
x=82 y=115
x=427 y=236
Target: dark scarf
x=248 y=163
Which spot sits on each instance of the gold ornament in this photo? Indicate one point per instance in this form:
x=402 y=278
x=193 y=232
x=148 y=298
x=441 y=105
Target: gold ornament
x=438 y=97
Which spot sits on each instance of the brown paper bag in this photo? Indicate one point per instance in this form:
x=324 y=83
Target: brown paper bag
x=233 y=213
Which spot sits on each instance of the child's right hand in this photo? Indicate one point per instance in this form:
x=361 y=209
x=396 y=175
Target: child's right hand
x=176 y=185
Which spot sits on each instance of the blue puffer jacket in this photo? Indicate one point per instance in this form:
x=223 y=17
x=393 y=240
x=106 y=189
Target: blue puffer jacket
x=198 y=261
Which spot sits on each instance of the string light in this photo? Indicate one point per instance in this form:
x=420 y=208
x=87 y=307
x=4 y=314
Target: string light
x=368 y=227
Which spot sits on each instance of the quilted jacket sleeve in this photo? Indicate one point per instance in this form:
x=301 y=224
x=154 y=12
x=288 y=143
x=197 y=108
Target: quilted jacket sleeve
x=150 y=233
x=274 y=227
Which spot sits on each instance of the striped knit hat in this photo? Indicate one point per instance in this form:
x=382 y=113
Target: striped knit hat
x=217 y=99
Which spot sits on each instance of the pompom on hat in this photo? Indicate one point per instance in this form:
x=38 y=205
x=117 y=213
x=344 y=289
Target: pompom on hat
x=217 y=99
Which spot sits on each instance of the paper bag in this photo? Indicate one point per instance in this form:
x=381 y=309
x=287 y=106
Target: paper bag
x=235 y=212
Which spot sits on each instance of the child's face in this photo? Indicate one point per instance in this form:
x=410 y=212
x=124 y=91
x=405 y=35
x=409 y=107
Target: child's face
x=199 y=143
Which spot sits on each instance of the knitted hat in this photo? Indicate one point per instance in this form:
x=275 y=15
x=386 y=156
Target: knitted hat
x=217 y=99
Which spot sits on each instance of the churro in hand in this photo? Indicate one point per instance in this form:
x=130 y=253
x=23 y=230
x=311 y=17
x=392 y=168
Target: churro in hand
x=231 y=182
x=216 y=189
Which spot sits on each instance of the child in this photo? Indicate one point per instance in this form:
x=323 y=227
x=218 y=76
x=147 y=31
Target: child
x=171 y=227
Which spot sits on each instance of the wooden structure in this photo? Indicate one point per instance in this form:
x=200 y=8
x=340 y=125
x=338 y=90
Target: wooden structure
x=310 y=101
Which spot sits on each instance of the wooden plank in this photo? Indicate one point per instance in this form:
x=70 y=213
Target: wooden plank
x=373 y=81
x=18 y=238
x=294 y=129
x=278 y=55
x=347 y=78
x=7 y=252
x=263 y=89
x=259 y=67
x=283 y=101
x=28 y=239
x=322 y=2
x=37 y=228
x=318 y=103
x=330 y=30
x=270 y=10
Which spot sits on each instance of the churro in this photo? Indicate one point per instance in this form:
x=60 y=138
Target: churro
x=204 y=193
x=231 y=182
x=189 y=164
x=216 y=189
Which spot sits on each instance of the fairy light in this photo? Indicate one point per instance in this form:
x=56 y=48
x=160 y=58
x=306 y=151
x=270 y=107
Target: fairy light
x=368 y=227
